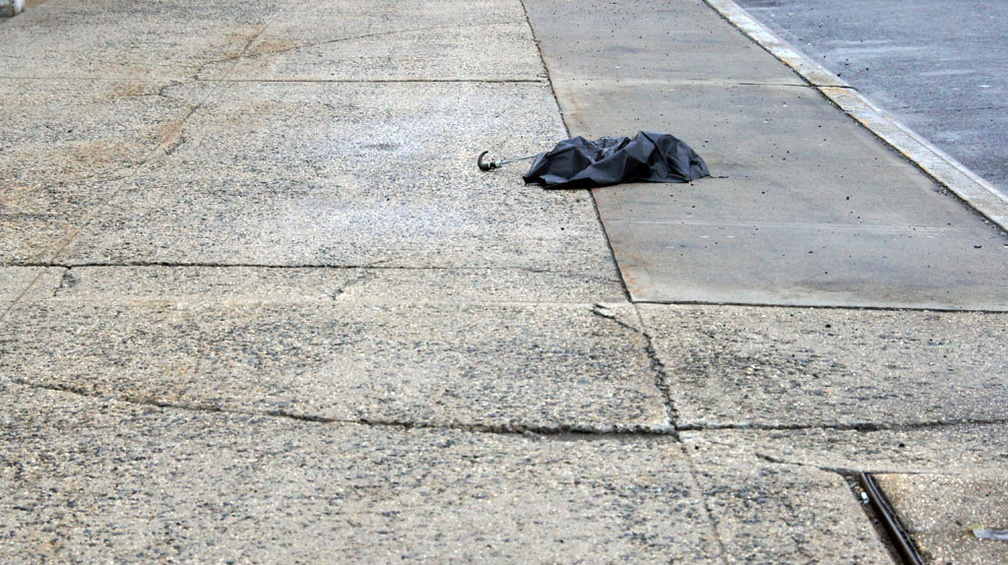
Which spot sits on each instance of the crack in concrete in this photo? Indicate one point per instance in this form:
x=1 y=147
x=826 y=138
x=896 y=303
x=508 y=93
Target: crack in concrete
x=602 y=310
x=381 y=264
x=163 y=90
x=781 y=461
x=170 y=140
x=853 y=426
x=661 y=378
x=172 y=136
x=574 y=430
x=366 y=274
x=67 y=281
x=380 y=81
x=17 y=299
x=708 y=511
x=363 y=277
x=377 y=266
x=579 y=431
x=245 y=55
x=231 y=58
x=851 y=476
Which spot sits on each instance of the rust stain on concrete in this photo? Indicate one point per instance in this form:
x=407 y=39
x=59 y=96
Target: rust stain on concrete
x=125 y=90
x=271 y=46
x=170 y=134
x=101 y=152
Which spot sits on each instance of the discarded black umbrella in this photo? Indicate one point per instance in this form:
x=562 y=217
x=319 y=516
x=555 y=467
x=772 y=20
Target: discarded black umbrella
x=582 y=163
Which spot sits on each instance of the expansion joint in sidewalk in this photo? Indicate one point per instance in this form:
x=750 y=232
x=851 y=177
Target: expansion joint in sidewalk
x=539 y=81
x=852 y=426
x=380 y=265
x=211 y=265
x=584 y=431
x=569 y=431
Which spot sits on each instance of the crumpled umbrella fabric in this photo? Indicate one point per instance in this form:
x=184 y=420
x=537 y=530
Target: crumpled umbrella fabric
x=647 y=157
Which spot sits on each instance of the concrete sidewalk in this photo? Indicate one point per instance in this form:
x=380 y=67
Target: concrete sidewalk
x=257 y=304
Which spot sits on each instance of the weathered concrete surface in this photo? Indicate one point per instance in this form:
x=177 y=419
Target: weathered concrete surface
x=61 y=150
x=941 y=512
x=66 y=39
x=377 y=174
x=251 y=285
x=507 y=366
x=733 y=366
x=454 y=40
x=964 y=448
x=940 y=499
x=97 y=479
x=809 y=209
x=258 y=304
x=772 y=513
x=679 y=41
x=20 y=283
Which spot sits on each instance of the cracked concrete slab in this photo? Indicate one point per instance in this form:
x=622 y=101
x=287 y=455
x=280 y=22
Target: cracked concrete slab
x=765 y=512
x=307 y=328
x=132 y=39
x=762 y=366
x=506 y=366
x=212 y=284
x=375 y=175
x=59 y=150
x=18 y=283
x=965 y=449
x=90 y=479
x=412 y=40
x=216 y=285
x=940 y=513
x=82 y=129
x=476 y=286
x=939 y=499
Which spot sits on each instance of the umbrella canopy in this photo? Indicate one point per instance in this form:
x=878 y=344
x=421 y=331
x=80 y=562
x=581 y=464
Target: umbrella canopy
x=647 y=157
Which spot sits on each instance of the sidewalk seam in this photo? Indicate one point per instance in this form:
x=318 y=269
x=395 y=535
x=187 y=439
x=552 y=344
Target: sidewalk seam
x=244 y=53
x=923 y=307
x=538 y=81
x=855 y=426
x=585 y=431
x=563 y=120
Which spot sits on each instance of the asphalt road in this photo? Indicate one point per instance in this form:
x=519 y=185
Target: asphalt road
x=940 y=66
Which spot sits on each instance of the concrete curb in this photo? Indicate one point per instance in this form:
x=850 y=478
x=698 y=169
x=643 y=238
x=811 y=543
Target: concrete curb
x=976 y=192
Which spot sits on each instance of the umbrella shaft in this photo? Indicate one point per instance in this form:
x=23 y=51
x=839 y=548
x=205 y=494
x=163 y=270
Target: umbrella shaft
x=516 y=159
